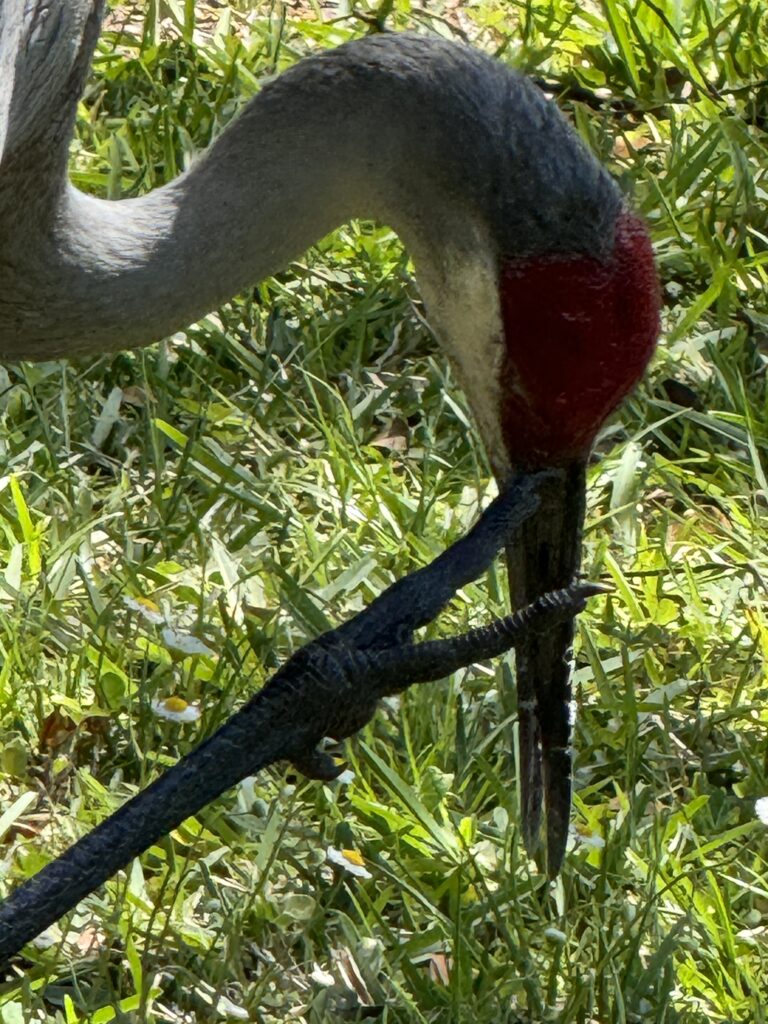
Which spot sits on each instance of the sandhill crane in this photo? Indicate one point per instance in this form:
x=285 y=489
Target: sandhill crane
x=538 y=280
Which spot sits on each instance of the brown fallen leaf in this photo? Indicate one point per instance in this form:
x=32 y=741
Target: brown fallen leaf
x=395 y=437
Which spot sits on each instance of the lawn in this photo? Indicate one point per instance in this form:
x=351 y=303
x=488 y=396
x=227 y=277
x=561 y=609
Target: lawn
x=264 y=474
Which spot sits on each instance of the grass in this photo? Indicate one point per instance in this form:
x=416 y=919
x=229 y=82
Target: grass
x=268 y=471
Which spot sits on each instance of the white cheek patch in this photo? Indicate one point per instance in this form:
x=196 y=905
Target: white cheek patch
x=462 y=299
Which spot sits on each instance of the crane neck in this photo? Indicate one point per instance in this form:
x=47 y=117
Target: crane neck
x=443 y=144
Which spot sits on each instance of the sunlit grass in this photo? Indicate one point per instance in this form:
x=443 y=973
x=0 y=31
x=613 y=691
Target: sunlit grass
x=265 y=474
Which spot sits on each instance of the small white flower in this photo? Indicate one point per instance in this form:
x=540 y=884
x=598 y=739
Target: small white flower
x=147 y=609
x=184 y=643
x=586 y=837
x=176 y=709
x=350 y=860
x=321 y=977
x=761 y=809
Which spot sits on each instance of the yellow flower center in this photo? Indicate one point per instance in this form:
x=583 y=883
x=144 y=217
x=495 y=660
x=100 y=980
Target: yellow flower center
x=353 y=857
x=175 y=704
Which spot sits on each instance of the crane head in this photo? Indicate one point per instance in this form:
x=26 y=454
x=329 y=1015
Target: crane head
x=546 y=342
x=578 y=332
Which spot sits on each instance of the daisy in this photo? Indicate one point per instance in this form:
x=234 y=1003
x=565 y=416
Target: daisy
x=349 y=860
x=184 y=643
x=146 y=608
x=175 y=709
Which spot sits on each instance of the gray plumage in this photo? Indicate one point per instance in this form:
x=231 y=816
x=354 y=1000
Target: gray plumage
x=465 y=163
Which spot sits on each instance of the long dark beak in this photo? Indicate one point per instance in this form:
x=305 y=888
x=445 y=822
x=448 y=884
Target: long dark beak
x=545 y=555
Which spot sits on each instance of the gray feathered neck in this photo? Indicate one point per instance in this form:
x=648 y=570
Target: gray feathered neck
x=450 y=148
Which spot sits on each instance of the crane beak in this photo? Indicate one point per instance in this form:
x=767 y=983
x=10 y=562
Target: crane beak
x=545 y=555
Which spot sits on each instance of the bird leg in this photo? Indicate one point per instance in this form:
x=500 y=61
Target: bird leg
x=378 y=673
x=330 y=687
x=418 y=598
